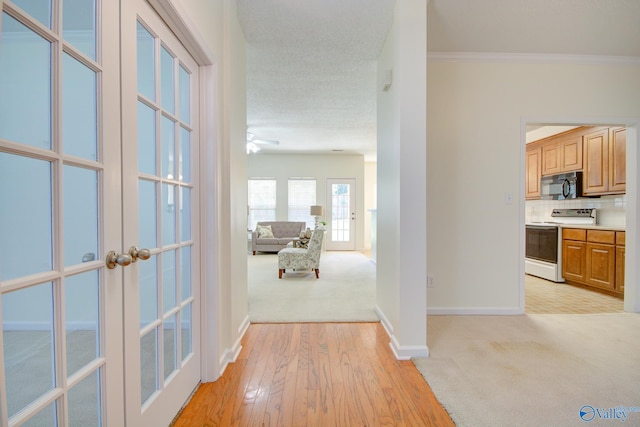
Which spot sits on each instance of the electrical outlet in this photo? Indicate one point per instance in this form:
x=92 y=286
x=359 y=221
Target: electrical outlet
x=430 y=282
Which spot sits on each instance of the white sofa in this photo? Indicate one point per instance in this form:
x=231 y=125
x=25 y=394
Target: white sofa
x=283 y=233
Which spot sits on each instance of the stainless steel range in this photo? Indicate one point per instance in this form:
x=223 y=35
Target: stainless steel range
x=543 y=251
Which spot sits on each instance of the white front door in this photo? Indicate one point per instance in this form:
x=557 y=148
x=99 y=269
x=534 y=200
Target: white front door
x=60 y=213
x=341 y=214
x=74 y=186
x=160 y=211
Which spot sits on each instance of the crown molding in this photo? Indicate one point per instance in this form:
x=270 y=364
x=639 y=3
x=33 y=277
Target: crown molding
x=531 y=58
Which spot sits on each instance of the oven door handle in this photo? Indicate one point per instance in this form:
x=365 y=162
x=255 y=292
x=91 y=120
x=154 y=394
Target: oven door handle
x=542 y=227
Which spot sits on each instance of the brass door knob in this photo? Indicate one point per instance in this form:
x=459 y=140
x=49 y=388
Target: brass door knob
x=135 y=253
x=113 y=260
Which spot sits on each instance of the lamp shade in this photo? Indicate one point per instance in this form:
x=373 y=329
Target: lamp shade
x=315 y=211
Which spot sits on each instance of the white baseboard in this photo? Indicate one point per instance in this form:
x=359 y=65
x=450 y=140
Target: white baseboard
x=242 y=329
x=384 y=321
x=230 y=355
x=401 y=352
x=472 y=311
x=408 y=352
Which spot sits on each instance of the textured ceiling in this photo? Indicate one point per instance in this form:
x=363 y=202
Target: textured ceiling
x=311 y=72
x=311 y=64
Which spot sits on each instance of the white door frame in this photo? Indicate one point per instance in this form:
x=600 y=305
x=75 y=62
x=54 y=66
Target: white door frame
x=632 y=269
x=178 y=21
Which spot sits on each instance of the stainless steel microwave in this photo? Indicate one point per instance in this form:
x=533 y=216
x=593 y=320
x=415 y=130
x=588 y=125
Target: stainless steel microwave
x=562 y=186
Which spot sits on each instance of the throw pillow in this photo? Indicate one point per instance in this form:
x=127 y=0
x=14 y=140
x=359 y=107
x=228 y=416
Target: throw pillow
x=265 y=231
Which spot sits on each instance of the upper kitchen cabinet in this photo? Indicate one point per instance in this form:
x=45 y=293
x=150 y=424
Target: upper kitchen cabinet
x=533 y=172
x=599 y=152
x=605 y=162
x=617 y=159
x=562 y=155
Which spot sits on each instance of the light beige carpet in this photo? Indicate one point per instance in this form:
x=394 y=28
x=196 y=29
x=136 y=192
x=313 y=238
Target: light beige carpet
x=536 y=370
x=345 y=291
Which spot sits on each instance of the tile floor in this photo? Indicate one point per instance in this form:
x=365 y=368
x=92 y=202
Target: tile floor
x=545 y=297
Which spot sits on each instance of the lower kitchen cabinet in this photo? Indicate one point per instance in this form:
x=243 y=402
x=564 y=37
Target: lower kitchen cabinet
x=574 y=260
x=601 y=265
x=620 y=255
x=594 y=258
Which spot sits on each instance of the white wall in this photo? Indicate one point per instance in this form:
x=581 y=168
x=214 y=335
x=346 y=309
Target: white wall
x=318 y=166
x=402 y=201
x=475 y=144
x=370 y=198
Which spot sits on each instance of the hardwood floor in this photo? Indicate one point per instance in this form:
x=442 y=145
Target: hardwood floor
x=316 y=374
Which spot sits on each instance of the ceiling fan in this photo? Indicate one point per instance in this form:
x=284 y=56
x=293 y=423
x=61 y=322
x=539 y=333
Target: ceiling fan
x=253 y=143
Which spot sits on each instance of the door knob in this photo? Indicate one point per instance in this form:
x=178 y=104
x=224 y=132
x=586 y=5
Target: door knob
x=113 y=260
x=136 y=254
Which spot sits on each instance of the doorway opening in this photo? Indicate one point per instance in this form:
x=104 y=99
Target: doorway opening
x=580 y=231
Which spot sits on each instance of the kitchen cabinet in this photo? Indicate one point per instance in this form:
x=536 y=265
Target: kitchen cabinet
x=562 y=156
x=599 y=152
x=596 y=153
x=605 y=162
x=574 y=255
x=620 y=255
x=618 y=159
x=533 y=172
x=601 y=259
x=593 y=258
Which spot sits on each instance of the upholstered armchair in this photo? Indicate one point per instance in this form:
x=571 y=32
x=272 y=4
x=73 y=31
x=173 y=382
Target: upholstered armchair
x=302 y=259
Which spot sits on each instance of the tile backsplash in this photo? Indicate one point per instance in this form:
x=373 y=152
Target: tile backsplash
x=611 y=210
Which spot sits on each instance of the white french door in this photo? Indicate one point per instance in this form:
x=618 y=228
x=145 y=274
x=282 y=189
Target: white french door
x=160 y=211
x=92 y=163
x=341 y=214
x=61 y=308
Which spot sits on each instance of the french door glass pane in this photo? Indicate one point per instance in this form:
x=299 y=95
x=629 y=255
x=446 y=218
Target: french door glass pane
x=168 y=214
x=25 y=100
x=170 y=345
x=185 y=155
x=146 y=63
x=185 y=214
x=148 y=291
x=79 y=25
x=168 y=280
x=340 y=212
x=79 y=109
x=46 y=417
x=168 y=94
x=168 y=148
x=82 y=319
x=185 y=95
x=147 y=214
x=148 y=364
x=185 y=272
x=39 y=9
x=146 y=139
x=28 y=344
x=85 y=408
x=80 y=215
x=186 y=331
x=25 y=222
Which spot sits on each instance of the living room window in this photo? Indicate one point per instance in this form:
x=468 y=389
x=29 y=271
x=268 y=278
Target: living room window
x=262 y=200
x=302 y=195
